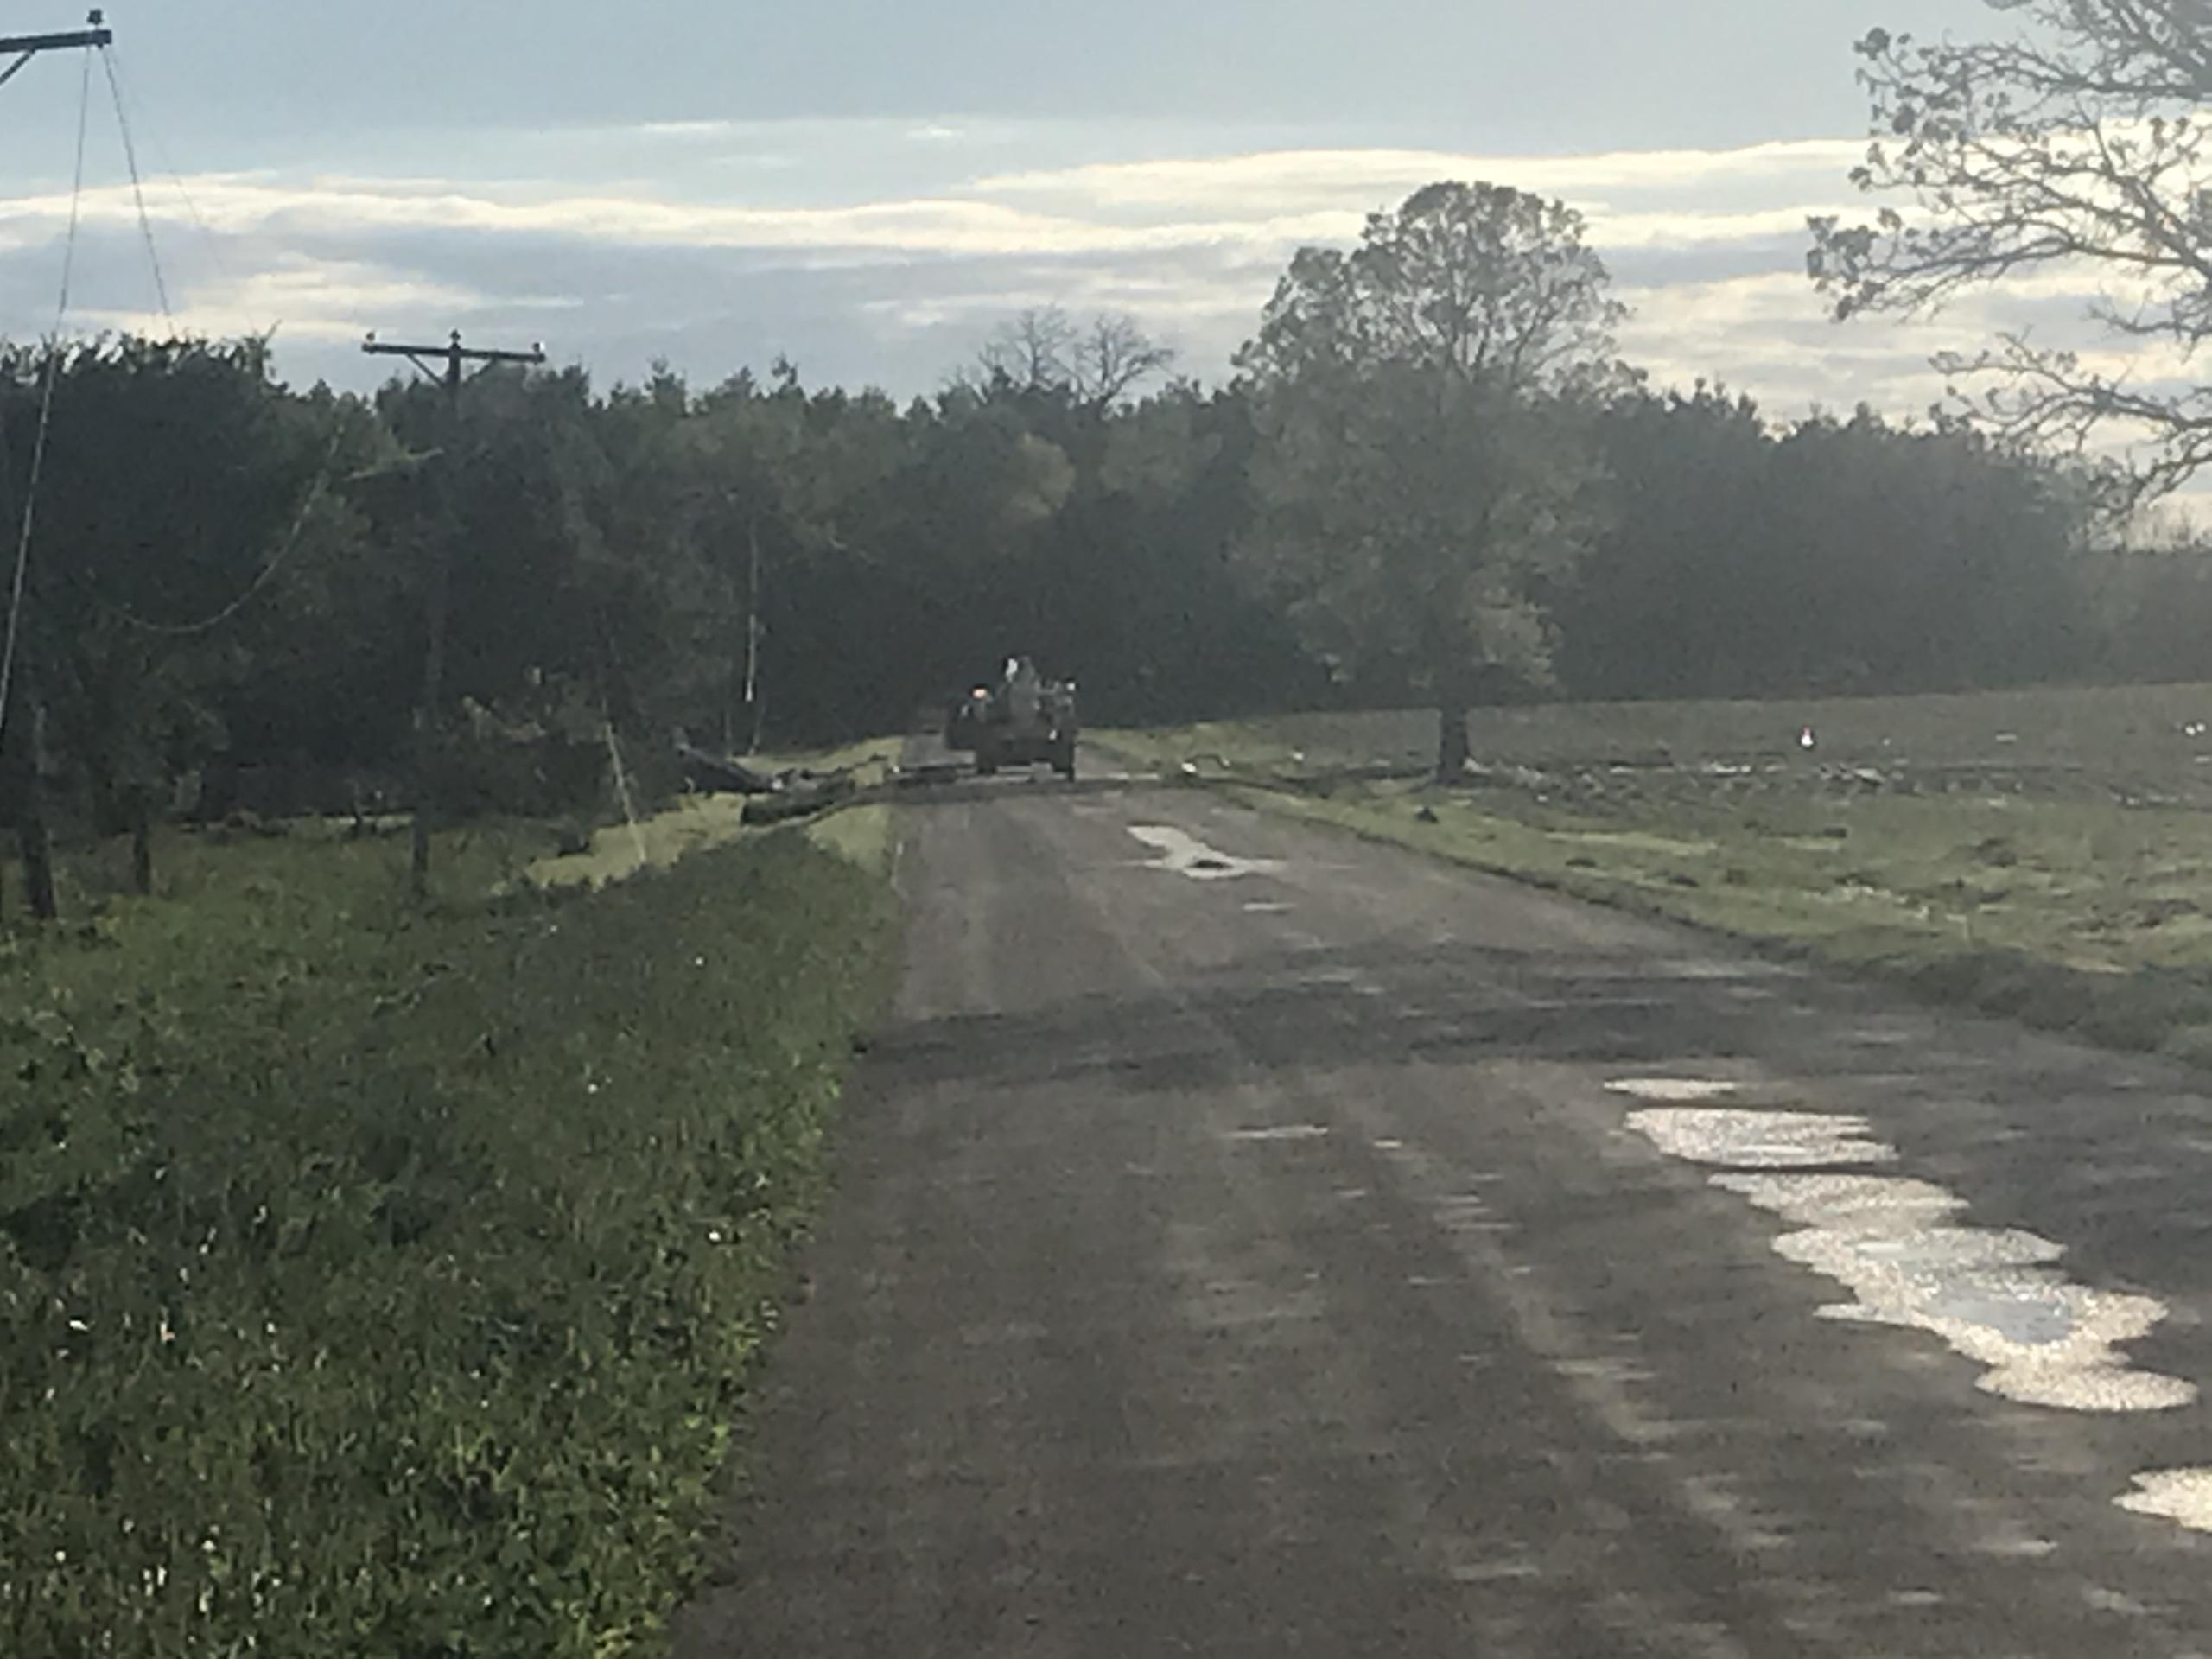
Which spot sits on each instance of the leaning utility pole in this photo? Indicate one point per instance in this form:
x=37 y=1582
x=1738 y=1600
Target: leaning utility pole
x=18 y=656
x=429 y=720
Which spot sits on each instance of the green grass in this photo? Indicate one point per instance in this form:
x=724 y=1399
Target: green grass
x=859 y=834
x=490 y=856
x=693 y=823
x=2112 y=733
x=317 y=859
x=2063 y=876
x=868 y=760
x=383 y=1278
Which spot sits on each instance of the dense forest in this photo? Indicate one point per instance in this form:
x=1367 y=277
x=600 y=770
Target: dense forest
x=1429 y=479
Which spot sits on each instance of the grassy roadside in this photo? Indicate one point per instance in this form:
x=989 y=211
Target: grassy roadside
x=2073 y=915
x=376 y=1280
x=618 y=851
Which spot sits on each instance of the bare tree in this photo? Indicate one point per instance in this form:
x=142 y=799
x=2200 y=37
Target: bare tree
x=1112 y=357
x=1031 y=352
x=1043 y=349
x=2076 y=150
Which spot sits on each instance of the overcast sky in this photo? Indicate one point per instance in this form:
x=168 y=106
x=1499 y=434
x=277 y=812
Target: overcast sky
x=869 y=187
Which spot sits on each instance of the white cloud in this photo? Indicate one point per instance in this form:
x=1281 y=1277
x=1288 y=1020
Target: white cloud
x=949 y=224
x=884 y=253
x=1269 y=181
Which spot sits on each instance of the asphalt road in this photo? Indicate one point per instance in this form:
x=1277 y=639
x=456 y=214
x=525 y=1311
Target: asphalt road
x=1254 y=1258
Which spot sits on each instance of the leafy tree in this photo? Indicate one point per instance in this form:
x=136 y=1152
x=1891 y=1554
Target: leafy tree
x=1676 y=593
x=1832 y=555
x=1422 y=402
x=147 y=573
x=2075 y=150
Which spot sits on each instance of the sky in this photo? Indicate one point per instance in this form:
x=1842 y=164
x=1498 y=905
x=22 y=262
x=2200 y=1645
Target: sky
x=869 y=187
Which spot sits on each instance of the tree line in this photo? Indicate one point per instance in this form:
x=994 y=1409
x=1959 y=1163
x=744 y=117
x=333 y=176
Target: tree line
x=1430 y=479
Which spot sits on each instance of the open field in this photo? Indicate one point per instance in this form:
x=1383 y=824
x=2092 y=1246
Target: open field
x=2044 y=853
x=2140 y=743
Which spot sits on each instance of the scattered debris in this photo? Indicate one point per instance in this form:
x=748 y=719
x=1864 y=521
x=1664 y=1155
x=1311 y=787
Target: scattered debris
x=804 y=793
x=936 y=772
x=723 y=773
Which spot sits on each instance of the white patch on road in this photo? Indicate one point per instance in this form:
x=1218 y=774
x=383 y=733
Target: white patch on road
x=1266 y=907
x=1991 y=1294
x=1672 y=1088
x=1186 y=855
x=1281 y=1132
x=1741 y=1139
x=2182 y=1495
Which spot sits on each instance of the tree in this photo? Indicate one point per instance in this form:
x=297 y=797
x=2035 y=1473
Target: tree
x=1424 y=469
x=2074 y=150
x=1043 y=352
x=151 y=576
x=1111 y=359
x=1676 y=599
x=1028 y=352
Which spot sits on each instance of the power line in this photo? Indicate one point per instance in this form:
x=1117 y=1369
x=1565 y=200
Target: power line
x=166 y=164
x=263 y=577
x=138 y=186
x=46 y=406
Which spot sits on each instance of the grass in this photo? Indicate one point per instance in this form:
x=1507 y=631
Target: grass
x=861 y=834
x=2105 y=735
x=377 y=1278
x=491 y=856
x=2041 y=854
x=618 y=851
x=870 y=760
x=391 y=1271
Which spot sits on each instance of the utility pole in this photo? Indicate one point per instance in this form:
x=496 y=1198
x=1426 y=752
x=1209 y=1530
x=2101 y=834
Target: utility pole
x=18 y=656
x=454 y=360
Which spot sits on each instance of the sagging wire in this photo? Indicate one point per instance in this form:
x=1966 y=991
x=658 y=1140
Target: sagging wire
x=265 y=575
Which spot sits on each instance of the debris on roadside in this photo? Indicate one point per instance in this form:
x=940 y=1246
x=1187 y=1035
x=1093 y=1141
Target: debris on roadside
x=802 y=794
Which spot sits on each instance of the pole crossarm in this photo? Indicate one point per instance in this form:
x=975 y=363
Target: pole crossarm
x=24 y=47
x=452 y=353
x=31 y=45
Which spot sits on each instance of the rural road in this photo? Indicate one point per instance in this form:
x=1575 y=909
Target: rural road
x=1252 y=1242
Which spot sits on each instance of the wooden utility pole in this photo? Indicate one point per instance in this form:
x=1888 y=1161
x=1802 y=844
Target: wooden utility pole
x=453 y=360
x=18 y=659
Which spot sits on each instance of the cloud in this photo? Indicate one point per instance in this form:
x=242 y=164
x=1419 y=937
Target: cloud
x=241 y=205
x=1274 y=180
x=883 y=251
